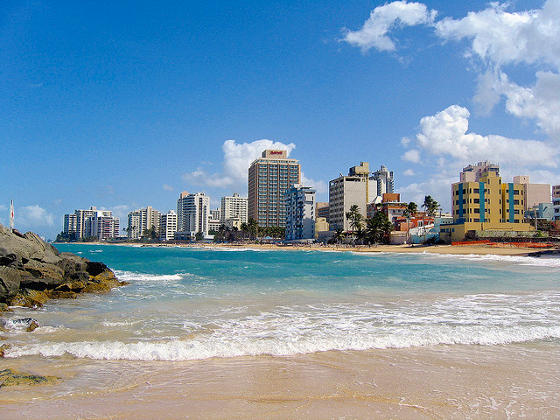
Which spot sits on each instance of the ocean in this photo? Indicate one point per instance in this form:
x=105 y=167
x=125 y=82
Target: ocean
x=199 y=307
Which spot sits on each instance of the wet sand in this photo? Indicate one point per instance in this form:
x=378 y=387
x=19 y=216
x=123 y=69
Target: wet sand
x=415 y=383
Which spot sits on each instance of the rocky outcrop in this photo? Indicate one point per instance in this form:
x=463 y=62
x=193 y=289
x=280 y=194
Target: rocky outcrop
x=33 y=271
x=8 y=377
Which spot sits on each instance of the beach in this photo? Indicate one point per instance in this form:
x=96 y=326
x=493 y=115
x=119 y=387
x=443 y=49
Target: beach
x=228 y=332
x=476 y=249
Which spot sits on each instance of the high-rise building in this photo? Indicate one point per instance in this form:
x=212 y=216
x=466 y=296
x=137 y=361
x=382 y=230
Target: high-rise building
x=81 y=217
x=472 y=173
x=134 y=229
x=214 y=220
x=486 y=207
x=269 y=178
x=322 y=210
x=70 y=226
x=535 y=194
x=193 y=211
x=556 y=201
x=300 y=213
x=385 y=181
x=142 y=221
x=346 y=191
x=233 y=210
x=168 y=226
x=92 y=223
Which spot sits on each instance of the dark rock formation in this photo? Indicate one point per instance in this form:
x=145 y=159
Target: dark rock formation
x=32 y=271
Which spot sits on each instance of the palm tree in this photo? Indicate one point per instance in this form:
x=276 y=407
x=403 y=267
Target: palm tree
x=355 y=218
x=253 y=227
x=430 y=205
x=338 y=235
x=409 y=212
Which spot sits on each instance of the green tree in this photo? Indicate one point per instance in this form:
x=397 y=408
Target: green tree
x=430 y=205
x=253 y=228
x=199 y=236
x=355 y=218
x=378 y=228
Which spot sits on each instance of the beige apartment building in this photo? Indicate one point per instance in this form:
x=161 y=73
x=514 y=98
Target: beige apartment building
x=233 y=210
x=270 y=176
x=346 y=191
x=534 y=193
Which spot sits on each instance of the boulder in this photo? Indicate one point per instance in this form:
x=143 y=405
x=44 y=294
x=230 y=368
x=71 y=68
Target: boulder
x=32 y=271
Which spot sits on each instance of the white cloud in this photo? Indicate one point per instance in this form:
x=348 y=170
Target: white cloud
x=405 y=141
x=167 y=187
x=319 y=185
x=445 y=133
x=412 y=155
x=32 y=217
x=408 y=172
x=121 y=211
x=237 y=159
x=500 y=37
x=382 y=19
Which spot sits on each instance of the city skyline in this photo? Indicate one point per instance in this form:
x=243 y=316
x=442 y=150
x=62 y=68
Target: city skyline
x=122 y=118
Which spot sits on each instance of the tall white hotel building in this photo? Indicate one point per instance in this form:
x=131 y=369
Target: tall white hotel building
x=193 y=211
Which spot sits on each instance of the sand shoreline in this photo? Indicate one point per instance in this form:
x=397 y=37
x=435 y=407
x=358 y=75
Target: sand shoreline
x=504 y=250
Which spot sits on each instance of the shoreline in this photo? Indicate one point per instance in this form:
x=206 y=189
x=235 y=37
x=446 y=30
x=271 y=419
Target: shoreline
x=396 y=249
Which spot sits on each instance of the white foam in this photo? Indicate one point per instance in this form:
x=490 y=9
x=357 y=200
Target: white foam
x=485 y=319
x=135 y=276
x=511 y=259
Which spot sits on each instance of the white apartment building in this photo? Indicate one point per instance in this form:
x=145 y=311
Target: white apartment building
x=70 y=226
x=134 y=230
x=104 y=225
x=233 y=210
x=345 y=191
x=214 y=221
x=193 y=211
x=300 y=213
x=168 y=226
x=384 y=180
x=141 y=220
x=81 y=217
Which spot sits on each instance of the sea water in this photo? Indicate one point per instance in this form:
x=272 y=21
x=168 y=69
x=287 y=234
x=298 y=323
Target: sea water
x=193 y=304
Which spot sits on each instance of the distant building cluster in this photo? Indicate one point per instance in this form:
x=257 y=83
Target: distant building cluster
x=91 y=224
x=482 y=206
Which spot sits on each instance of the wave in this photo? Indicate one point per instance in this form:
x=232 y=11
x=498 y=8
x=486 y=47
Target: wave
x=511 y=259
x=136 y=276
x=178 y=350
x=483 y=319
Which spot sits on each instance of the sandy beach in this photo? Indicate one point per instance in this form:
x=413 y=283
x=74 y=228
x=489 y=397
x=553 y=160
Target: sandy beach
x=477 y=249
x=416 y=383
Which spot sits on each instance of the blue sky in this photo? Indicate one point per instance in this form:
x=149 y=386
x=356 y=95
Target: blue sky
x=125 y=104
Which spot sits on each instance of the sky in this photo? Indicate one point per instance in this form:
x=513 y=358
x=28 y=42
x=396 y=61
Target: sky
x=125 y=104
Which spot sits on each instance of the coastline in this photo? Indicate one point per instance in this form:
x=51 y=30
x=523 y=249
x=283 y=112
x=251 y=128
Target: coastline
x=505 y=250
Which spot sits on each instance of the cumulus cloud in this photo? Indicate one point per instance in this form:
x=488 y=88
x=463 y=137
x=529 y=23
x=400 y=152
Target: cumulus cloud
x=501 y=37
x=408 y=172
x=412 y=155
x=446 y=133
x=237 y=159
x=33 y=216
x=374 y=32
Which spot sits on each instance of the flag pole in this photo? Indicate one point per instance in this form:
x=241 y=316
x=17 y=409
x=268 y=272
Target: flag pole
x=12 y=215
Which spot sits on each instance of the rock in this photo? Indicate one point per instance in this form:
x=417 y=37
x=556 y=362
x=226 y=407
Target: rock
x=8 y=377
x=32 y=326
x=29 y=298
x=9 y=281
x=4 y=308
x=3 y=348
x=32 y=271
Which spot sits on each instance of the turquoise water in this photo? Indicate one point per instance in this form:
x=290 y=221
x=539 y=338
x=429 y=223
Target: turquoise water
x=185 y=303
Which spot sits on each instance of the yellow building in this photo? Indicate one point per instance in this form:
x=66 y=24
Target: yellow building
x=486 y=208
